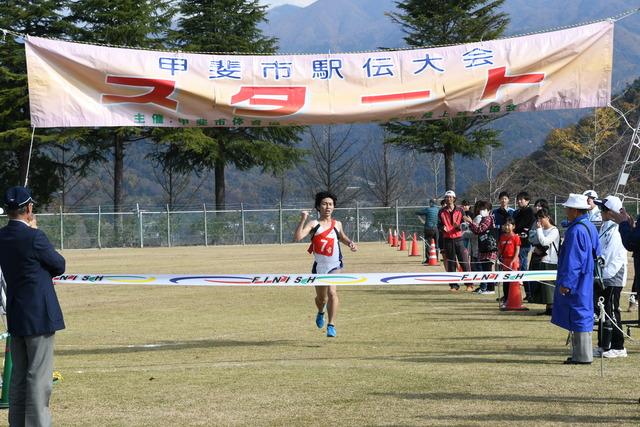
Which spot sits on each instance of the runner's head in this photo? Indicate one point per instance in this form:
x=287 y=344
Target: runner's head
x=325 y=200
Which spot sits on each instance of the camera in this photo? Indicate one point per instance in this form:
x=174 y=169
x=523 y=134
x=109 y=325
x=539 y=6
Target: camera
x=541 y=250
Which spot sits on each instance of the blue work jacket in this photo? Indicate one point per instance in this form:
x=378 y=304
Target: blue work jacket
x=574 y=311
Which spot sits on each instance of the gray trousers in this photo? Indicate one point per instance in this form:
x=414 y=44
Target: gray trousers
x=581 y=350
x=31 y=381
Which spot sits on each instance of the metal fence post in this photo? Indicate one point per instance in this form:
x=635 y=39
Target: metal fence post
x=168 y=227
x=244 y=241
x=357 y=222
x=99 y=226
x=280 y=219
x=204 y=209
x=140 y=225
x=397 y=218
x=61 y=229
x=637 y=207
x=555 y=209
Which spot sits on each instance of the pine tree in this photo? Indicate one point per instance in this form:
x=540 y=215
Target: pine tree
x=37 y=18
x=233 y=26
x=124 y=23
x=438 y=22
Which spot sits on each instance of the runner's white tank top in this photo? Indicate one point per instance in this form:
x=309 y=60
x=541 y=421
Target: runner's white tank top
x=326 y=250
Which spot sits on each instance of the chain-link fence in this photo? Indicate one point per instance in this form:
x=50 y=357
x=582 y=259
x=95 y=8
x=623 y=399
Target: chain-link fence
x=192 y=227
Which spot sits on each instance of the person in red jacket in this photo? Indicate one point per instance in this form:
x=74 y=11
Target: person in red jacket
x=509 y=251
x=451 y=217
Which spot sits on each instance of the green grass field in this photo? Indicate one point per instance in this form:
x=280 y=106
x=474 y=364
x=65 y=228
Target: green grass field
x=404 y=356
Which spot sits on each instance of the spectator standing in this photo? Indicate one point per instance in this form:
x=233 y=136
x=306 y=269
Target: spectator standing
x=501 y=213
x=573 y=296
x=631 y=240
x=29 y=262
x=614 y=274
x=429 y=218
x=540 y=204
x=508 y=250
x=486 y=247
x=545 y=240
x=454 y=251
x=594 y=212
x=524 y=219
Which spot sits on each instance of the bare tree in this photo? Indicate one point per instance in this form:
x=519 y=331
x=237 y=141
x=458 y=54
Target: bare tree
x=386 y=175
x=435 y=162
x=173 y=174
x=332 y=161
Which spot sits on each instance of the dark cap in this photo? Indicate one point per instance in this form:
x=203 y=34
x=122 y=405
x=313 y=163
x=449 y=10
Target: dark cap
x=17 y=197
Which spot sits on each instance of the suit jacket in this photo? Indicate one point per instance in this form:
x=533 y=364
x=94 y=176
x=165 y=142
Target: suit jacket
x=29 y=262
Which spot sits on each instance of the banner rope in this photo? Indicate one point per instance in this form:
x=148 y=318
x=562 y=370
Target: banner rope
x=26 y=177
x=614 y=18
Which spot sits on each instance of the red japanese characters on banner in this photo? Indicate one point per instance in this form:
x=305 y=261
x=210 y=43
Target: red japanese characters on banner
x=160 y=91
x=286 y=100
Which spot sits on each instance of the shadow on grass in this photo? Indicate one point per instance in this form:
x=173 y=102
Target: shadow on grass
x=468 y=360
x=510 y=398
x=590 y=419
x=178 y=345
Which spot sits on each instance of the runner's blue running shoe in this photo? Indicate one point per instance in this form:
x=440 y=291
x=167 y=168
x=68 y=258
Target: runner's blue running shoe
x=331 y=331
x=320 y=320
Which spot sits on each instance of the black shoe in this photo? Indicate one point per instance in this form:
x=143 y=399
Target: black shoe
x=570 y=361
x=544 y=313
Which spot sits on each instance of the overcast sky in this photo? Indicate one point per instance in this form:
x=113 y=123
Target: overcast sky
x=274 y=3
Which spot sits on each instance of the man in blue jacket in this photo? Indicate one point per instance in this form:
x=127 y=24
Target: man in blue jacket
x=573 y=297
x=29 y=262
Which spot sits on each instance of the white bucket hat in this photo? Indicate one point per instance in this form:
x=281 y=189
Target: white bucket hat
x=590 y=193
x=450 y=193
x=612 y=203
x=577 y=201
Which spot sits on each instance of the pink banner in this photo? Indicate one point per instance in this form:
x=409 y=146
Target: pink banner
x=72 y=84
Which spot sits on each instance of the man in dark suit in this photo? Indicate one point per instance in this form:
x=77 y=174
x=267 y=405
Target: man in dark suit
x=29 y=262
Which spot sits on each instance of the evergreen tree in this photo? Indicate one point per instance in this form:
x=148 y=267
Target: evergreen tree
x=233 y=26
x=438 y=22
x=121 y=23
x=37 y=18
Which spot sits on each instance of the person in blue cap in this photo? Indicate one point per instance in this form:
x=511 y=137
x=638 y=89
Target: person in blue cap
x=29 y=262
x=573 y=296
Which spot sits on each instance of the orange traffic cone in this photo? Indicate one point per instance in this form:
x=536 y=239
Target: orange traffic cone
x=395 y=239
x=514 y=300
x=403 y=243
x=390 y=240
x=433 y=256
x=414 y=247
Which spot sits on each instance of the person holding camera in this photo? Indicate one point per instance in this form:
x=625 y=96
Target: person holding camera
x=545 y=240
x=486 y=247
x=614 y=275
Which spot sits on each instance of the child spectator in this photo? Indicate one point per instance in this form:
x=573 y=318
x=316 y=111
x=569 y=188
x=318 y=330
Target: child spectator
x=508 y=251
x=485 y=248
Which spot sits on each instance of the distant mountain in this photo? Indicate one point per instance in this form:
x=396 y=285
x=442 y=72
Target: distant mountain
x=355 y=25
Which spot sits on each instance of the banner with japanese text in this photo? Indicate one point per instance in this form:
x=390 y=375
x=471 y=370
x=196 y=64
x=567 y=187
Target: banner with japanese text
x=73 y=84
